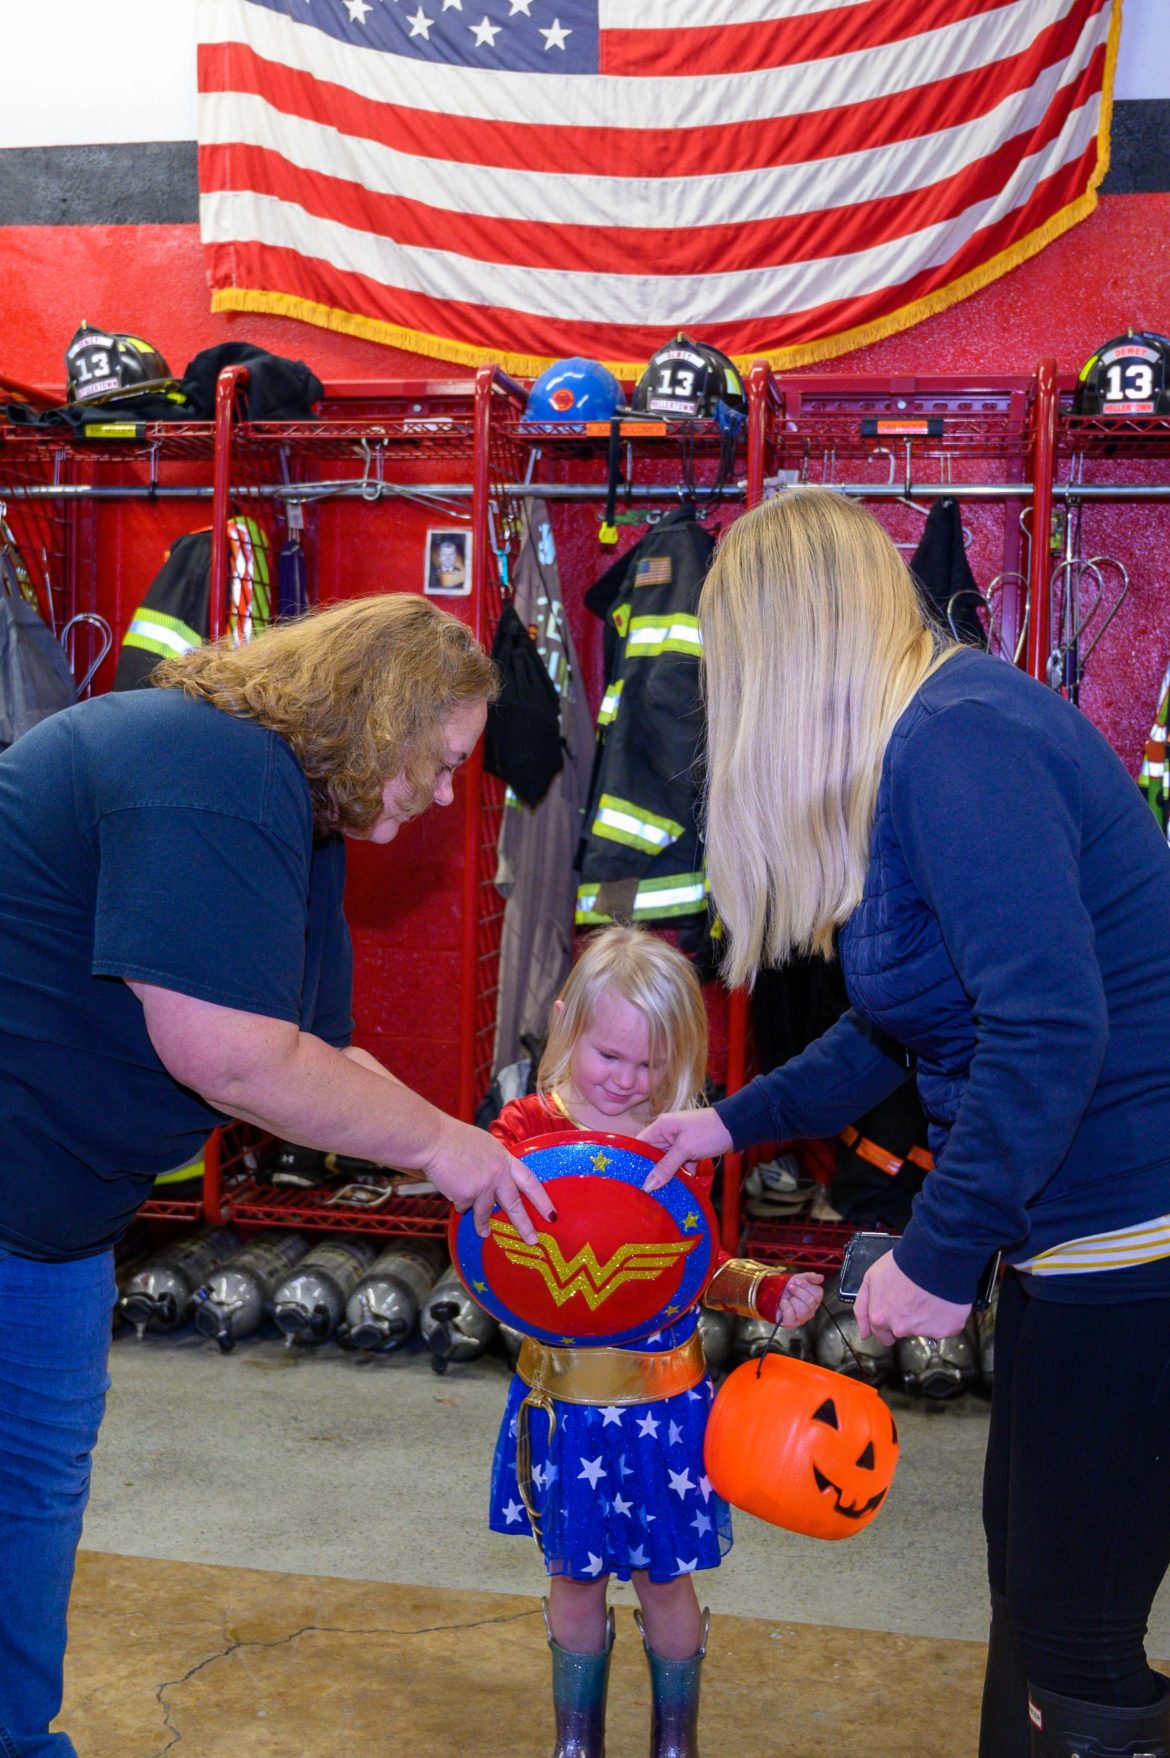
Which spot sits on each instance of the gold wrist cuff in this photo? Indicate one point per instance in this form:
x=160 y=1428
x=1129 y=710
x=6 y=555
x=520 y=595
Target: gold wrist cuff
x=735 y=1286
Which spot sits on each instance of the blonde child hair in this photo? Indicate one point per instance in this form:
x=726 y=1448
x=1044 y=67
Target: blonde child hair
x=661 y=983
x=815 y=639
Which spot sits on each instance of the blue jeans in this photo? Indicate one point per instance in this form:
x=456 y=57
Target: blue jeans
x=54 y=1343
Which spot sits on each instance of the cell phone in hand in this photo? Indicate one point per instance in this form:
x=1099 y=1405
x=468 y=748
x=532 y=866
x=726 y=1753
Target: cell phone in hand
x=862 y=1250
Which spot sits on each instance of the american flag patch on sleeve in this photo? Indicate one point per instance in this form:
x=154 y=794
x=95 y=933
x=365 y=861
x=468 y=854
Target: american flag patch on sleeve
x=654 y=570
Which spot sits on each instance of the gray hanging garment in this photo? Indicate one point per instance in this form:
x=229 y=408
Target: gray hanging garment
x=536 y=847
x=35 y=680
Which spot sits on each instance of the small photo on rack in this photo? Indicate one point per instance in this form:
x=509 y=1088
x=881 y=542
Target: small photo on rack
x=448 y=564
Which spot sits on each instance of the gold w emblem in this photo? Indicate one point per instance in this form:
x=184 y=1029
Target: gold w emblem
x=582 y=1273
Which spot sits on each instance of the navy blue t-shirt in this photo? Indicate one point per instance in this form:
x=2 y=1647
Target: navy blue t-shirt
x=151 y=837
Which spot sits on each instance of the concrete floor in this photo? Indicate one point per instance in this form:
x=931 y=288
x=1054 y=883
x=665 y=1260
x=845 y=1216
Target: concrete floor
x=320 y=1469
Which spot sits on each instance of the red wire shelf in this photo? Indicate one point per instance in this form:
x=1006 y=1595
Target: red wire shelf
x=1144 y=436
x=157 y=1208
x=149 y=443
x=805 y=1245
x=416 y=1217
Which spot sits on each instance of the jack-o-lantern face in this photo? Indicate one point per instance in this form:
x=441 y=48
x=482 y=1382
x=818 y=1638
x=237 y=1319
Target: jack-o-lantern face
x=801 y=1447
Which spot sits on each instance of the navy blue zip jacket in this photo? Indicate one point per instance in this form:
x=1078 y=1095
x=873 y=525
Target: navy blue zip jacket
x=1014 y=938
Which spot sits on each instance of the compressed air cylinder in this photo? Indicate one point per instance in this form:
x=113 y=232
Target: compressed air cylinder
x=310 y=1302
x=938 y=1367
x=383 y=1309
x=838 y=1344
x=717 y=1329
x=454 y=1326
x=238 y=1296
x=753 y=1337
x=161 y=1294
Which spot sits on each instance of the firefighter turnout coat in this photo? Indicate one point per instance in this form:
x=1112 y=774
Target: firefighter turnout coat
x=640 y=857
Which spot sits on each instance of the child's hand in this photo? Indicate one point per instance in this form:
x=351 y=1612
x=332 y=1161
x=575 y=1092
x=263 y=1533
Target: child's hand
x=798 y=1299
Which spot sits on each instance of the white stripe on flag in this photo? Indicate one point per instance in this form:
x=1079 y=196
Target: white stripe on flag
x=611 y=298
x=668 y=203
x=612 y=102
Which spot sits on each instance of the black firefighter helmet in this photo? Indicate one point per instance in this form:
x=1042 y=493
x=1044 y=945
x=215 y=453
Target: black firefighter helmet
x=104 y=365
x=1129 y=375
x=689 y=380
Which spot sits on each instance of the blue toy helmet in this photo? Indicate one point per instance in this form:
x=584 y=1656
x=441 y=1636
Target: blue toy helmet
x=574 y=390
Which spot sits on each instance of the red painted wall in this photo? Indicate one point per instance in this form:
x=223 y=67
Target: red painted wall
x=1107 y=274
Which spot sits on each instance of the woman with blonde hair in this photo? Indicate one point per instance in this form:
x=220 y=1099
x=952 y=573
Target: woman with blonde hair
x=173 y=952
x=999 y=897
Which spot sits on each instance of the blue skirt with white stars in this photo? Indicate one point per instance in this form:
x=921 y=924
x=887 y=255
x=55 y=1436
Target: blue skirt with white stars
x=621 y=1487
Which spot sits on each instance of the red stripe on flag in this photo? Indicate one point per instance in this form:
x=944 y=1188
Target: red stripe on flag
x=636 y=152
x=667 y=251
x=499 y=330
x=692 y=51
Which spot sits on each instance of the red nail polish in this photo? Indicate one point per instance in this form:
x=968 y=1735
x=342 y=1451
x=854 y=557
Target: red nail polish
x=552 y=1215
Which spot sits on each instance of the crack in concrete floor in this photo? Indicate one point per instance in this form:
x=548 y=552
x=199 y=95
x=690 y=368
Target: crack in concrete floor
x=237 y=1644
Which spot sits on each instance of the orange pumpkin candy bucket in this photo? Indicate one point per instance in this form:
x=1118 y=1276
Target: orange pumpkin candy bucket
x=801 y=1447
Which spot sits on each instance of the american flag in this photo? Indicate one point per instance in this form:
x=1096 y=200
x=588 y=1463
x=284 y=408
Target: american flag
x=522 y=180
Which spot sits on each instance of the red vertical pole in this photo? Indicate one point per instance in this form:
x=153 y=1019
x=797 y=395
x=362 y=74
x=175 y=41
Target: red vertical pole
x=226 y=385
x=1039 y=562
x=473 y=790
x=212 y=1188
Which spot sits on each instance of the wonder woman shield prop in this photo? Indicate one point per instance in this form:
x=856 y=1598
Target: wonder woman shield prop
x=618 y=1263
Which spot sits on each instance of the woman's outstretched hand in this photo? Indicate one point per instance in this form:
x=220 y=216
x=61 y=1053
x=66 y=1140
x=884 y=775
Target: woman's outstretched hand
x=889 y=1305
x=683 y=1136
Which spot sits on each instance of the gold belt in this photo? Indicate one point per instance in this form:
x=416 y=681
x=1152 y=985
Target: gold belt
x=594 y=1376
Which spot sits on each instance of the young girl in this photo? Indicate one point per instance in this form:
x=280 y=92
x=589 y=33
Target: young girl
x=620 y=1489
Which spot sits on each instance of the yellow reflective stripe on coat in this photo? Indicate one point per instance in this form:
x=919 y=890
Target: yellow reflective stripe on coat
x=681 y=894
x=159 y=633
x=622 y=821
x=609 y=704
x=193 y=1169
x=650 y=636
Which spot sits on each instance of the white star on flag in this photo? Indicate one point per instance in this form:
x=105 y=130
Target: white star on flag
x=550 y=1474
x=592 y=1469
x=593 y=1566
x=620 y=1506
x=512 y=1513
x=610 y=1413
x=694 y=1396
x=705 y=1486
x=485 y=32
x=456 y=4
x=357 y=10
x=648 y=1518
x=648 y=1424
x=685 y=1568
x=638 y=1558
x=519 y=6
x=420 y=25
x=680 y=1481
x=538 y=1476
x=701 y=1524
x=675 y=1434
x=624 y=1470
x=555 y=36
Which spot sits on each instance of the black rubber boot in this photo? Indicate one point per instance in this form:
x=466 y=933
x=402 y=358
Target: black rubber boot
x=1004 y=1726
x=1062 y=1727
x=674 y=1689
x=580 y=1684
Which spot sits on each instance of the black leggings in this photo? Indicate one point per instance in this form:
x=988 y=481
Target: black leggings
x=1076 y=1490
